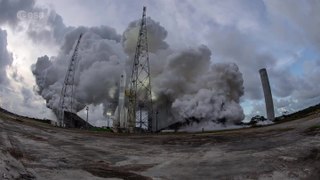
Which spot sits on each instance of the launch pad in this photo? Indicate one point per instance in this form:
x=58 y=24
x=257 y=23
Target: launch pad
x=135 y=108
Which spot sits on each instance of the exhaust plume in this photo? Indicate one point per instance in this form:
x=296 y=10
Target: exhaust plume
x=186 y=84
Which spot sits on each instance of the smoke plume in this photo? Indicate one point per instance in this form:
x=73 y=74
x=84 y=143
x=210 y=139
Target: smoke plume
x=196 y=89
x=156 y=35
x=101 y=60
x=186 y=84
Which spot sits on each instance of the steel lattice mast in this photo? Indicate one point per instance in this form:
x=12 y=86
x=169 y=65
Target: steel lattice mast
x=67 y=92
x=140 y=110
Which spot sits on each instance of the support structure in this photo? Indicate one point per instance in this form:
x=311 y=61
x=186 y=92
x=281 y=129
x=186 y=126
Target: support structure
x=267 y=93
x=67 y=92
x=140 y=108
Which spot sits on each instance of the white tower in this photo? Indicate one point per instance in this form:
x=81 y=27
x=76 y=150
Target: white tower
x=267 y=93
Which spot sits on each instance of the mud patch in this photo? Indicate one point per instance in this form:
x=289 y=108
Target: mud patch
x=104 y=170
x=137 y=167
x=313 y=131
x=193 y=140
x=16 y=153
x=312 y=162
x=26 y=176
x=36 y=138
x=314 y=155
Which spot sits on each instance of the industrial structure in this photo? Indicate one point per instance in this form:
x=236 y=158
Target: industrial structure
x=267 y=93
x=140 y=108
x=66 y=113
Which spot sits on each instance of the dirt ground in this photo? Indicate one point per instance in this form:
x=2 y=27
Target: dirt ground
x=33 y=150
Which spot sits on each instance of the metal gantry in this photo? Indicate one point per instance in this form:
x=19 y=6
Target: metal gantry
x=67 y=92
x=140 y=108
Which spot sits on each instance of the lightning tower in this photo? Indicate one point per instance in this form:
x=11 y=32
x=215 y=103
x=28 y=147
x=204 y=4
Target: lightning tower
x=67 y=92
x=267 y=93
x=140 y=110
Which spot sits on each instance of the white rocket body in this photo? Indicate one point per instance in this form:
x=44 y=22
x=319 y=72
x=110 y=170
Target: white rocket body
x=121 y=110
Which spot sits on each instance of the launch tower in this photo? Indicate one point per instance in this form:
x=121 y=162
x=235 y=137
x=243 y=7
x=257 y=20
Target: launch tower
x=267 y=93
x=67 y=92
x=140 y=110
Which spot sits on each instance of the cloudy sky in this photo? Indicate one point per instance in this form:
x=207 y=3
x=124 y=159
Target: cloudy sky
x=281 y=36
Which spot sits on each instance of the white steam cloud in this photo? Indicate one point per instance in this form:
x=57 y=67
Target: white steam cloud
x=186 y=84
x=101 y=60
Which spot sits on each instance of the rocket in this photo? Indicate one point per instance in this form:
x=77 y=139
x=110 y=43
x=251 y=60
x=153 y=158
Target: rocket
x=121 y=111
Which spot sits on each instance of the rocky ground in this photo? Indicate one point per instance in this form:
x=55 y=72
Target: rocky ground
x=33 y=150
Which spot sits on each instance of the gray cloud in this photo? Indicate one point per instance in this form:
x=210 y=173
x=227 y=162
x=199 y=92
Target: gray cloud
x=308 y=87
x=9 y=10
x=292 y=24
x=15 y=74
x=5 y=57
x=232 y=45
x=293 y=21
x=43 y=26
x=50 y=29
x=27 y=96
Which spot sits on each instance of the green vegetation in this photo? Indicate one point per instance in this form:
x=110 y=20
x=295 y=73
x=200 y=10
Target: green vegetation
x=299 y=114
x=9 y=115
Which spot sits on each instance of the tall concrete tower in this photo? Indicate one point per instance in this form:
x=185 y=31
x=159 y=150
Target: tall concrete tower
x=267 y=93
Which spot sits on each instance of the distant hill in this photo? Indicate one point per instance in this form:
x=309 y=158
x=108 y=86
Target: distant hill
x=300 y=114
x=13 y=115
x=293 y=116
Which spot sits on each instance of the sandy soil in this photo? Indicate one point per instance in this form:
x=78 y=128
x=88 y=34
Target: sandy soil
x=32 y=150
